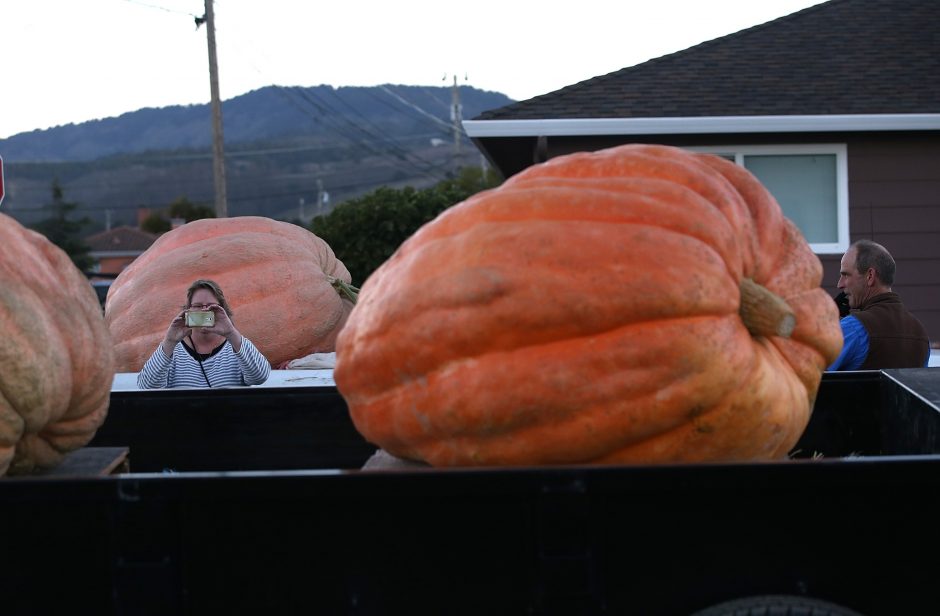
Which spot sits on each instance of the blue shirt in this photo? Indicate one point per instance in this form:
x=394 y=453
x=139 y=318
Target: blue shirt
x=854 y=346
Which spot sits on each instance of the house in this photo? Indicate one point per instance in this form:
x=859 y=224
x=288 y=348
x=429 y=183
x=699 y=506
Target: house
x=835 y=108
x=116 y=248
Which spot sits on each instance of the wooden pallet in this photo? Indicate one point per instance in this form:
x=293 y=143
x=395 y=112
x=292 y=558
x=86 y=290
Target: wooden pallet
x=96 y=461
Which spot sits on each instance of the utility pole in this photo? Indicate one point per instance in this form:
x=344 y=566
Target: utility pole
x=319 y=196
x=324 y=201
x=455 y=116
x=218 y=154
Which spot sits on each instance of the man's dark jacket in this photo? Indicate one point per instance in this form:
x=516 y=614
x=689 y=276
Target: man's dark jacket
x=896 y=339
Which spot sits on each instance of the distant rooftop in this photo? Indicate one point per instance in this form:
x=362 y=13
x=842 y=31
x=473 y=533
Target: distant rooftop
x=121 y=239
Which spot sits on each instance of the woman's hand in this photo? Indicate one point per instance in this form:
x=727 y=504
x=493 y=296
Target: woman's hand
x=175 y=332
x=224 y=327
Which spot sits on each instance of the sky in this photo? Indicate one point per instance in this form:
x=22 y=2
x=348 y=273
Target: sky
x=69 y=61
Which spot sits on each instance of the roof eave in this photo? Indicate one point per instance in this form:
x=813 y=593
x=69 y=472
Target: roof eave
x=702 y=125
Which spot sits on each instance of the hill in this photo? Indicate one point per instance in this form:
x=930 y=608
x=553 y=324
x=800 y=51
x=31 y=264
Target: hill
x=290 y=152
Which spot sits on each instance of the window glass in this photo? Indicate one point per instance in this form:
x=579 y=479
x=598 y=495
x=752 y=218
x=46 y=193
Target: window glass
x=805 y=187
x=809 y=180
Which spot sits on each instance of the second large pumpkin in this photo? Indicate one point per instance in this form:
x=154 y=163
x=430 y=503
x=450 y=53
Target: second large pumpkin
x=275 y=275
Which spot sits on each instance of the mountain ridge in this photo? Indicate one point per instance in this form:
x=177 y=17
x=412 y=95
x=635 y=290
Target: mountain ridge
x=285 y=148
x=246 y=118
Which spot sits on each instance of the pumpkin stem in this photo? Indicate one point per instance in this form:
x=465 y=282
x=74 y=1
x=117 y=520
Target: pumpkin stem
x=344 y=289
x=765 y=313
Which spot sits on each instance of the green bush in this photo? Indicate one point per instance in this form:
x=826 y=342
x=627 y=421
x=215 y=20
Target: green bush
x=366 y=231
x=159 y=222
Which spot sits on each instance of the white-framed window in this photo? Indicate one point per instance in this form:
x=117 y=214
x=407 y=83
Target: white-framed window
x=809 y=181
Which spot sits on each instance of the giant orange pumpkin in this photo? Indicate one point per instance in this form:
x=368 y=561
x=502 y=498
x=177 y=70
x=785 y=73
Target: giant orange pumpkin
x=638 y=304
x=275 y=275
x=56 y=358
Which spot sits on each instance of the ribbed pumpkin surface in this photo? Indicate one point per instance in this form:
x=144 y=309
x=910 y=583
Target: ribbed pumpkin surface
x=588 y=311
x=56 y=358
x=274 y=276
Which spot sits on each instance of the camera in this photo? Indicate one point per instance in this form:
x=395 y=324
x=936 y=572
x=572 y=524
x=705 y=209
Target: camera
x=200 y=318
x=843 y=303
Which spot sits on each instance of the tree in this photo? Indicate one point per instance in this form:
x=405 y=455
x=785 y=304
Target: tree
x=181 y=208
x=364 y=232
x=64 y=232
x=155 y=223
x=189 y=211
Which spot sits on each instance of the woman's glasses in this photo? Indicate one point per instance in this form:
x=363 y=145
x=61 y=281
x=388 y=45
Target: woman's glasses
x=200 y=306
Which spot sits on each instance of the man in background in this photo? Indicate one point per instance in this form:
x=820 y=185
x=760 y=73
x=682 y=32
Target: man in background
x=879 y=332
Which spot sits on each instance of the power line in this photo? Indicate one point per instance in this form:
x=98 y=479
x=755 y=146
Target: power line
x=442 y=127
x=418 y=117
x=325 y=108
x=411 y=105
x=390 y=141
x=328 y=121
x=162 y=8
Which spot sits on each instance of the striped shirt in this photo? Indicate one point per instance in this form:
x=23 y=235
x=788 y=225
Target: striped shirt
x=223 y=368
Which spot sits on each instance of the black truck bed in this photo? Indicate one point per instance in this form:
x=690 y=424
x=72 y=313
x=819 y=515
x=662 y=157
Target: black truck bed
x=249 y=501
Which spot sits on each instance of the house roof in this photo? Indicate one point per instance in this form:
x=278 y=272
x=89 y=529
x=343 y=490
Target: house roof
x=120 y=240
x=842 y=57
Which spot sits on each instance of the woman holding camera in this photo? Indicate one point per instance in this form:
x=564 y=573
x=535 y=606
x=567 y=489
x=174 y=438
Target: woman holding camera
x=202 y=347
